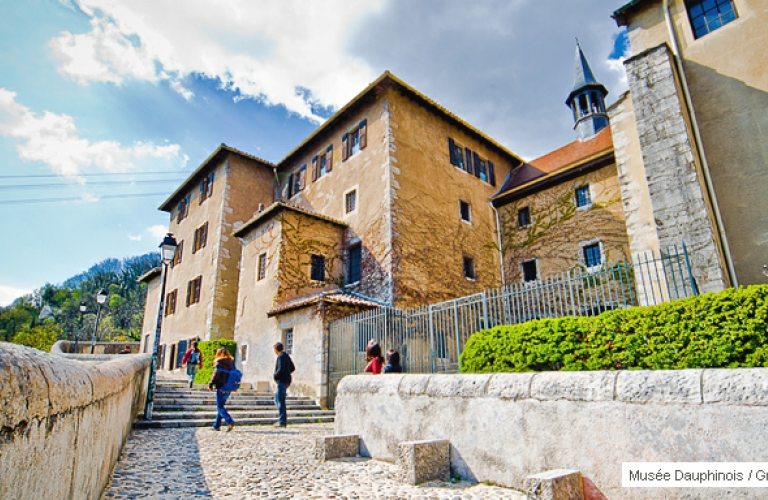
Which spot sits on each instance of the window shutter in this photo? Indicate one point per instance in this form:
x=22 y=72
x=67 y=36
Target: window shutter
x=179 y=251
x=210 y=185
x=189 y=292
x=363 y=134
x=195 y=241
x=491 y=173
x=329 y=158
x=476 y=161
x=344 y=147
x=302 y=177
x=180 y=210
x=452 y=151
x=468 y=159
x=186 y=204
x=203 y=192
x=315 y=170
x=204 y=236
x=290 y=187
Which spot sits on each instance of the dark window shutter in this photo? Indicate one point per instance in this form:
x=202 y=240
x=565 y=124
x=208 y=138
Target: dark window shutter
x=195 y=241
x=302 y=176
x=491 y=173
x=204 y=235
x=186 y=205
x=363 y=134
x=329 y=158
x=468 y=159
x=210 y=184
x=189 y=291
x=203 y=192
x=315 y=171
x=344 y=147
x=179 y=209
x=476 y=161
x=290 y=186
x=452 y=151
x=179 y=251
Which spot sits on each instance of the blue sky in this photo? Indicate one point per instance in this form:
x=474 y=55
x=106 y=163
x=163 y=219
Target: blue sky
x=107 y=105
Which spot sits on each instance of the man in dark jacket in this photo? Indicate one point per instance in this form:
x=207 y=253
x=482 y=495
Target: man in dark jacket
x=283 y=369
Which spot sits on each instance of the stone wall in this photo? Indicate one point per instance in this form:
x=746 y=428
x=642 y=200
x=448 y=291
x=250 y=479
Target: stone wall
x=63 y=423
x=503 y=427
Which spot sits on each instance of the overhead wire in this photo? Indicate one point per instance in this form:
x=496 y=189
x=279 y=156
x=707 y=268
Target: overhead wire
x=51 y=200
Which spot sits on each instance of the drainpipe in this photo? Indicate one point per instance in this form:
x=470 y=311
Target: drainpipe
x=700 y=147
x=498 y=242
x=277 y=185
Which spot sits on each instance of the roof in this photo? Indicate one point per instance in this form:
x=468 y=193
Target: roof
x=222 y=150
x=149 y=275
x=575 y=158
x=620 y=14
x=583 y=77
x=388 y=79
x=333 y=297
x=278 y=207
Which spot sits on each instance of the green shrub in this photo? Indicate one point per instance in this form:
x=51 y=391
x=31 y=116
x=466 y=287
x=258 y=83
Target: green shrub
x=715 y=330
x=208 y=349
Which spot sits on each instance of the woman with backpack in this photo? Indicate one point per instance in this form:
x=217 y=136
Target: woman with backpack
x=193 y=361
x=222 y=365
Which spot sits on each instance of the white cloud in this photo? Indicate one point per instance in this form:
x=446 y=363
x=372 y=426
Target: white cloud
x=267 y=50
x=10 y=293
x=54 y=140
x=157 y=231
x=134 y=238
x=89 y=198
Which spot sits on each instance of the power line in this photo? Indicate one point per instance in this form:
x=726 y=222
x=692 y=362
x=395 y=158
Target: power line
x=91 y=175
x=96 y=183
x=53 y=200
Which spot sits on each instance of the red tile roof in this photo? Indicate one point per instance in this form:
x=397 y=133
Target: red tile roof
x=336 y=297
x=574 y=152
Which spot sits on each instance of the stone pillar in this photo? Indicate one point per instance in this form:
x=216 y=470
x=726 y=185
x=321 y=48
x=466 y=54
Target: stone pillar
x=422 y=461
x=330 y=447
x=558 y=484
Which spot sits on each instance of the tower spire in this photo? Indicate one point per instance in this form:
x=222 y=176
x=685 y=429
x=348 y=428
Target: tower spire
x=587 y=98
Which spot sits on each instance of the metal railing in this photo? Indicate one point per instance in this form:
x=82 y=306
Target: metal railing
x=430 y=338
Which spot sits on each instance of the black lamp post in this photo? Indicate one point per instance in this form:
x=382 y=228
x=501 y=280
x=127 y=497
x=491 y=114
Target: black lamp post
x=79 y=326
x=101 y=298
x=167 y=250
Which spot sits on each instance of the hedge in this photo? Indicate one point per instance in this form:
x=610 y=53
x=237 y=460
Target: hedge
x=208 y=348
x=715 y=330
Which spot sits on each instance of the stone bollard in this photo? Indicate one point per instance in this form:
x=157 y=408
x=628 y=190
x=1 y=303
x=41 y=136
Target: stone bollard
x=330 y=447
x=422 y=461
x=557 y=484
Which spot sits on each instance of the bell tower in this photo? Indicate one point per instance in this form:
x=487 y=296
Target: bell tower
x=587 y=99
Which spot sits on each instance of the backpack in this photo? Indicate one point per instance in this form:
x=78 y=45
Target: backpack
x=233 y=380
x=194 y=358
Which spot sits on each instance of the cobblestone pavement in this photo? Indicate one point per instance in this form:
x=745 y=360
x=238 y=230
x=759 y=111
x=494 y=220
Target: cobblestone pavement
x=266 y=463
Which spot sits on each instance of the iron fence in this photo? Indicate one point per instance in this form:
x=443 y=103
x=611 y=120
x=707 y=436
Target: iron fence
x=430 y=338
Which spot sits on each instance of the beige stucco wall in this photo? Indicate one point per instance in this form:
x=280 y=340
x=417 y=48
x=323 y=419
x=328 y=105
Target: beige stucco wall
x=725 y=70
x=558 y=226
x=151 y=305
x=64 y=422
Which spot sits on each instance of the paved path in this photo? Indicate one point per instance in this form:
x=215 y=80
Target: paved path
x=266 y=463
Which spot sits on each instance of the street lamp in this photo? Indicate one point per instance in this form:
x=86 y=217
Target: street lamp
x=79 y=325
x=101 y=297
x=167 y=250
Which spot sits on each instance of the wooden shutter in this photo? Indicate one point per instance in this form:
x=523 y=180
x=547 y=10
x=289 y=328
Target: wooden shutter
x=290 y=187
x=315 y=170
x=302 y=177
x=189 y=292
x=329 y=158
x=452 y=151
x=187 y=201
x=476 y=161
x=203 y=191
x=209 y=186
x=180 y=210
x=196 y=241
x=363 y=134
x=468 y=159
x=204 y=236
x=344 y=147
x=491 y=173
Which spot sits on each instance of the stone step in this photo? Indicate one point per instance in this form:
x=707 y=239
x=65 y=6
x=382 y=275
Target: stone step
x=237 y=415
x=156 y=424
x=212 y=407
x=234 y=399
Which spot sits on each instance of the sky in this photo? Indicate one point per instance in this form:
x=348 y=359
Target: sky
x=106 y=106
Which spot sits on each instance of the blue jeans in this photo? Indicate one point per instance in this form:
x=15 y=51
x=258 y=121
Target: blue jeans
x=282 y=412
x=221 y=412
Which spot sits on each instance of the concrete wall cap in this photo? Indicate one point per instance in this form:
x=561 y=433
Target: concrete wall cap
x=661 y=386
x=510 y=385
x=414 y=385
x=463 y=386
x=745 y=386
x=384 y=384
x=574 y=386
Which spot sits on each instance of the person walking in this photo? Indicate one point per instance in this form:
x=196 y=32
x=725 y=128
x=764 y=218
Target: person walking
x=193 y=361
x=222 y=364
x=283 y=369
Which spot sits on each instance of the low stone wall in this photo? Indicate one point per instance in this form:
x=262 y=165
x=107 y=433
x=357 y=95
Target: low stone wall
x=84 y=347
x=63 y=422
x=504 y=427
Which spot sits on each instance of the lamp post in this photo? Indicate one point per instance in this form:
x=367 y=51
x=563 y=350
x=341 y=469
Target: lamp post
x=101 y=298
x=79 y=326
x=167 y=250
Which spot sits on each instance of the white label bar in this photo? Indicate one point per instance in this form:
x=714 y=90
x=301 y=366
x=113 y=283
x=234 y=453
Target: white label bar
x=694 y=474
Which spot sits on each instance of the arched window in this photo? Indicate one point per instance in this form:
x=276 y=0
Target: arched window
x=583 y=106
x=595 y=101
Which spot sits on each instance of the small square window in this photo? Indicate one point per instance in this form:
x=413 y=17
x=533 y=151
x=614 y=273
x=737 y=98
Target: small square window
x=583 y=197
x=530 y=270
x=350 y=201
x=592 y=257
x=317 y=272
x=465 y=210
x=469 y=268
x=354 y=261
x=709 y=15
x=262 y=267
x=288 y=340
x=524 y=217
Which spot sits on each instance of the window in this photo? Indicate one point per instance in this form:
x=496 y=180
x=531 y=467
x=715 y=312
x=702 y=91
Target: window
x=288 y=340
x=471 y=162
x=243 y=353
x=317 y=272
x=322 y=163
x=465 y=210
x=180 y=350
x=182 y=209
x=709 y=15
x=170 y=303
x=530 y=270
x=177 y=254
x=193 y=290
x=206 y=188
x=299 y=180
x=456 y=154
x=354 y=260
x=350 y=201
x=201 y=238
x=583 y=198
x=262 y=273
x=469 y=268
x=524 y=217
x=592 y=256
x=354 y=140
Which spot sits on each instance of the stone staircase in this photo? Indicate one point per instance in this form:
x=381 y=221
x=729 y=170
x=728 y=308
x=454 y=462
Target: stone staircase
x=176 y=405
